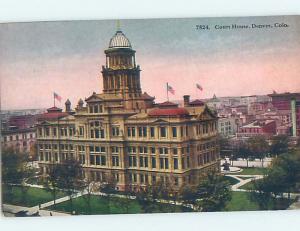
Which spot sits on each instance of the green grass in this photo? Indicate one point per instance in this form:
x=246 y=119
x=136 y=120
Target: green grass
x=241 y=201
x=232 y=181
x=252 y=171
x=248 y=186
x=33 y=196
x=101 y=205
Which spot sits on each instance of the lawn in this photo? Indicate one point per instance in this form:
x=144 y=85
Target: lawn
x=33 y=196
x=252 y=171
x=103 y=205
x=240 y=201
x=232 y=181
x=248 y=186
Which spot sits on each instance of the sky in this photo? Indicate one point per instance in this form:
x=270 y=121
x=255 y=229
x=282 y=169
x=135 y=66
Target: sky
x=39 y=58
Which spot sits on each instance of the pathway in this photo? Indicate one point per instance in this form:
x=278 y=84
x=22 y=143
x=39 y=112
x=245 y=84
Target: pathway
x=11 y=210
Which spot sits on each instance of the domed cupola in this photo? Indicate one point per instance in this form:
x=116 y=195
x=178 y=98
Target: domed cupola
x=119 y=40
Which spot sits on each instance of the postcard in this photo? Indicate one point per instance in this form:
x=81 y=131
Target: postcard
x=150 y=116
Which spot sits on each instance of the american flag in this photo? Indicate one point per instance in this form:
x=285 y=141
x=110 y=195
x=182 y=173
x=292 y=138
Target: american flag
x=170 y=89
x=56 y=96
x=199 y=87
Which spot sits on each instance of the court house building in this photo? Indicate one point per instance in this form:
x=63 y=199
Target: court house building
x=123 y=133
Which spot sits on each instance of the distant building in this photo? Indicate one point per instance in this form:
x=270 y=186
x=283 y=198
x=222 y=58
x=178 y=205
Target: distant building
x=22 y=140
x=288 y=103
x=258 y=127
x=227 y=126
x=22 y=121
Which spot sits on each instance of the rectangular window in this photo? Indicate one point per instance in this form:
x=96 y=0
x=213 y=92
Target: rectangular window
x=97 y=160
x=166 y=163
x=163 y=132
x=174 y=132
x=140 y=131
x=81 y=130
x=146 y=162
x=145 y=131
x=96 y=109
x=102 y=133
x=54 y=132
x=128 y=131
x=141 y=162
x=175 y=151
x=153 y=162
x=152 y=132
x=103 y=160
x=161 y=163
x=175 y=163
x=133 y=132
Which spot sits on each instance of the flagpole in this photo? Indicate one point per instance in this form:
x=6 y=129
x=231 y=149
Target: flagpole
x=168 y=92
x=54 y=99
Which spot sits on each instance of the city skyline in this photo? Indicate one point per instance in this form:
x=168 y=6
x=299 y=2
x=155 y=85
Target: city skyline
x=66 y=57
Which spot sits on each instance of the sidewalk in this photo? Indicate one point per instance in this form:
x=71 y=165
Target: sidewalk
x=11 y=210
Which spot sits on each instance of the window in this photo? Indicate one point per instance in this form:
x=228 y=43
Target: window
x=152 y=132
x=175 y=151
x=163 y=132
x=152 y=150
x=142 y=131
x=153 y=162
x=54 y=132
x=175 y=163
x=174 y=132
x=163 y=151
x=115 y=160
x=81 y=130
x=164 y=163
x=96 y=109
x=132 y=161
x=115 y=131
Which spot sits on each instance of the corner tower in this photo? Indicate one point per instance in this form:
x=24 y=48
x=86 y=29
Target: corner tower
x=121 y=75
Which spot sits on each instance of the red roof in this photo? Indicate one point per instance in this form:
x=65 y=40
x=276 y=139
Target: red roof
x=197 y=102
x=168 y=112
x=52 y=116
x=53 y=113
x=54 y=109
x=168 y=104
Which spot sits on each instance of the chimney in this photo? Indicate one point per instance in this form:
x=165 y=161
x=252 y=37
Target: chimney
x=186 y=100
x=68 y=105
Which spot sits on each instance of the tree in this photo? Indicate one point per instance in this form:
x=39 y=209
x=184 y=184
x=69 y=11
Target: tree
x=188 y=197
x=213 y=193
x=109 y=188
x=69 y=177
x=282 y=177
x=146 y=199
x=258 y=147
x=89 y=186
x=279 y=144
x=51 y=181
x=15 y=170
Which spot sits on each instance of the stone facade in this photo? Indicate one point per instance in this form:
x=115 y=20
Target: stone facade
x=123 y=133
